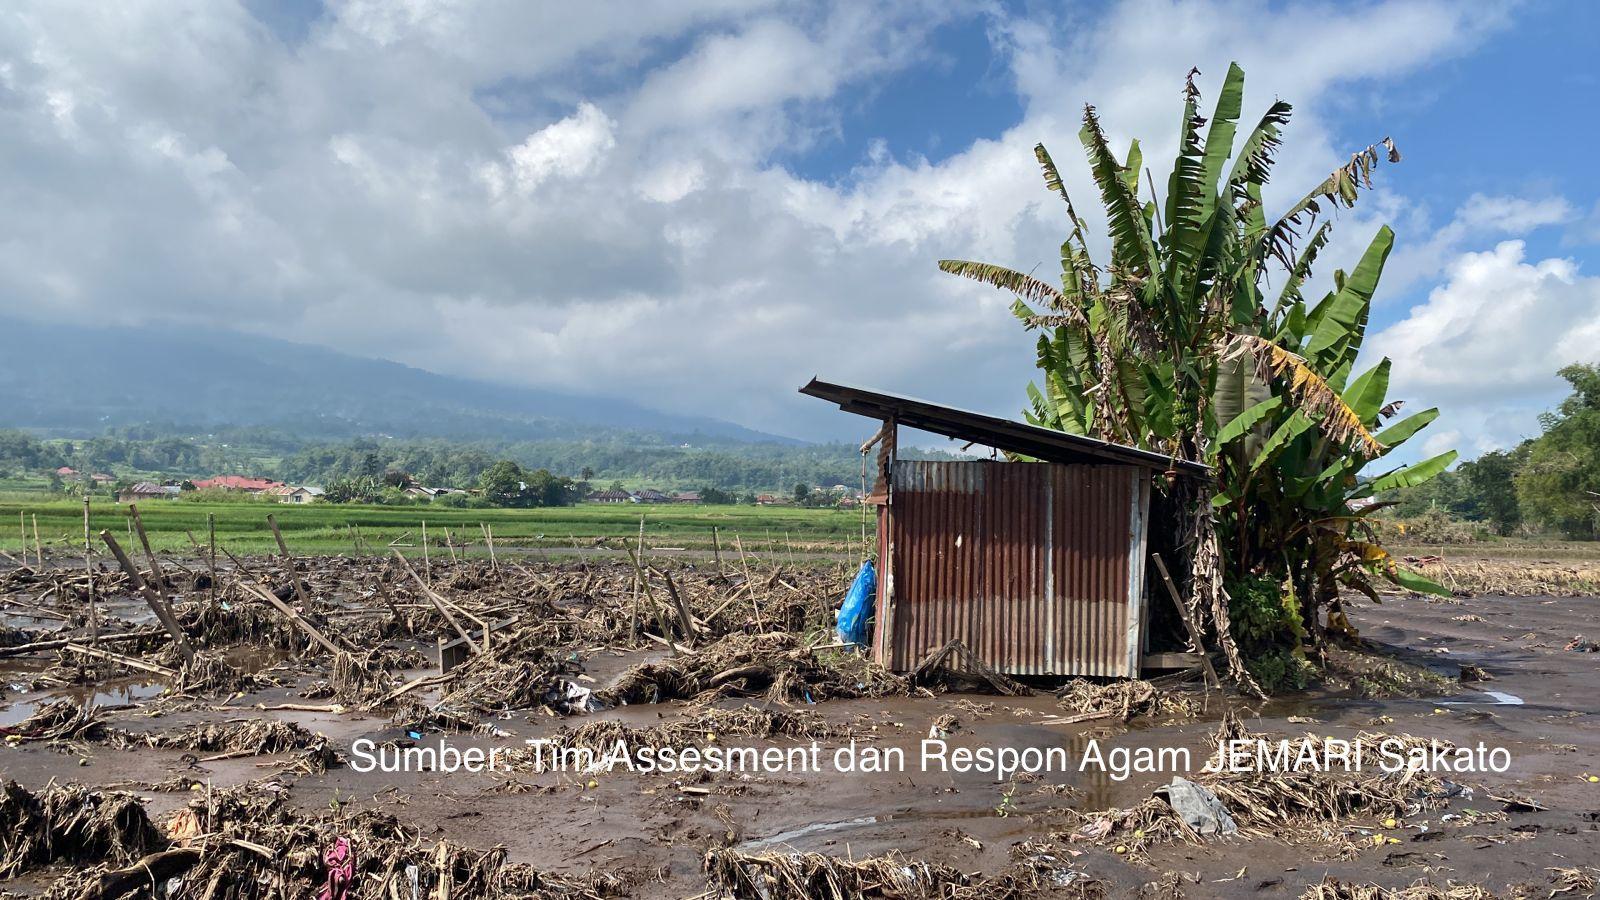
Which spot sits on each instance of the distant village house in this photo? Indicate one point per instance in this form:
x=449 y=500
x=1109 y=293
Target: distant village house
x=149 y=490
x=285 y=493
x=237 y=483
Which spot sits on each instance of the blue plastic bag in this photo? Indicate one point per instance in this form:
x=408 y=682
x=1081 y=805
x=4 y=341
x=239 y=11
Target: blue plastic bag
x=857 y=606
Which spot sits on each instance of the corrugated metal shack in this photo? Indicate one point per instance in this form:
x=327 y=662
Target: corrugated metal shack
x=1039 y=568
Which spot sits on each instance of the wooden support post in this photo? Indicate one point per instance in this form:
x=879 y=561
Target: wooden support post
x=211 y=565
x=38 y=548
x=716 y=550
x=157 y=602
x=749 y=581
x=1183 y=615
x=639 y=573
x=685 y=617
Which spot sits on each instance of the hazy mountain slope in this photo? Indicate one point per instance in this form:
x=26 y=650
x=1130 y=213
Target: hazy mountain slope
x=68 y=378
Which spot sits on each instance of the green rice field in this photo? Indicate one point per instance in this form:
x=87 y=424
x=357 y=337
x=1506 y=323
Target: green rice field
x=327 y=529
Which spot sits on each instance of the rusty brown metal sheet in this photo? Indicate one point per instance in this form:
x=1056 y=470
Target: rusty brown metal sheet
x=1036 y=567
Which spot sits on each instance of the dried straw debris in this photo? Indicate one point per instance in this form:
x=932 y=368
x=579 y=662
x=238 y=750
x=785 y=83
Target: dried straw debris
x=736 y=875
x=1331 y=888
x=773 y=664
x=1126 y=699
x=70 y=822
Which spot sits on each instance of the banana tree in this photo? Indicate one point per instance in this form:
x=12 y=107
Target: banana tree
x=1172 y=344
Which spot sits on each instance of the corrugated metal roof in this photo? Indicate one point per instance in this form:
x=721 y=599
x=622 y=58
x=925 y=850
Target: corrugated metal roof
x=992 y=431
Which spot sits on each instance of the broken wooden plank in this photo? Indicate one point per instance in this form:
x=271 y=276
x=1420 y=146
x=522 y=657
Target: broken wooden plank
x=122 y=660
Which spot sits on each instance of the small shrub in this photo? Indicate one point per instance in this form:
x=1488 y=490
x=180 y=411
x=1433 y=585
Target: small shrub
x=1266 y=625
x=1434 y=526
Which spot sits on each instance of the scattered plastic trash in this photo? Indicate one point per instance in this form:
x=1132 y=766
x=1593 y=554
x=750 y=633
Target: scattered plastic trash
x=857 y=606
x=341 y=870
x=1198 y=807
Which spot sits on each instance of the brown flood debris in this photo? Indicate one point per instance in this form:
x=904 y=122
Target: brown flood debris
x=246 y=844
x=1267 y=804
x=70 y=823
x=705 y=726
x=893 y=876
x=1126 y=699
x=66 y=720
x=776 y=665
x=1331 y=888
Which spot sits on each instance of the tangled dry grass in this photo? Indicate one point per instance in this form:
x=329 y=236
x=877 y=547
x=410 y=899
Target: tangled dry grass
x=893 y=876
x=776 y=665
x=1127 y=699
x=244 y=844
x=1515 y=578
x=1304 y=804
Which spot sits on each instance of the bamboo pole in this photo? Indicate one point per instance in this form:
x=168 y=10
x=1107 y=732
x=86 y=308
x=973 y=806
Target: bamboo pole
x=427 y=566
x=88 y=569
x=488 y=540
x=438 y=604
x=294 y=574
x=156 y=571
x=749 y=581
x=38 y=548
x=157 y=602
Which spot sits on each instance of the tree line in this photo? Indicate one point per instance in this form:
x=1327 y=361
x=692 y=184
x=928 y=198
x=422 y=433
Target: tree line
x=1546 y=483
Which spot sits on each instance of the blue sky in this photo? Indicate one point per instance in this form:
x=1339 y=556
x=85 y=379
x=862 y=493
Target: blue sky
x=702 y=203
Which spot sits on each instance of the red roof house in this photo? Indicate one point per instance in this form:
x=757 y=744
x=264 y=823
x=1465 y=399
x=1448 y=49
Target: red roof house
x=237 y=483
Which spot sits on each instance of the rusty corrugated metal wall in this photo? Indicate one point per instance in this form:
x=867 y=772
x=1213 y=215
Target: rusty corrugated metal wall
x=1038 y=568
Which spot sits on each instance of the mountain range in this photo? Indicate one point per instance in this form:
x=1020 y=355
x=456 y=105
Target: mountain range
x=74 y=380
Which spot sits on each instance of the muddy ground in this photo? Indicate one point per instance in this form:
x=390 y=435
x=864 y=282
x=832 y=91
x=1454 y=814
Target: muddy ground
x=654 y=830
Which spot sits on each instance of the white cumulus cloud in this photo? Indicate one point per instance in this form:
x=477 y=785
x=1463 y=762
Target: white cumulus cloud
x=1486 y=344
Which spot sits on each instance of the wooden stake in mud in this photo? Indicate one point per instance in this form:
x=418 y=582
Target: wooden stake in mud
x=88 y=568
x=294 y=574
x=158 y=603
x=749 y=581
x=22 y=534
x=488 y=540
x=211 y=566
x=38 y=548
x=211 y=529
x=149 y=554
x=716 y=550
x=641 y=578
x=427 y=566
x=638 y=578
